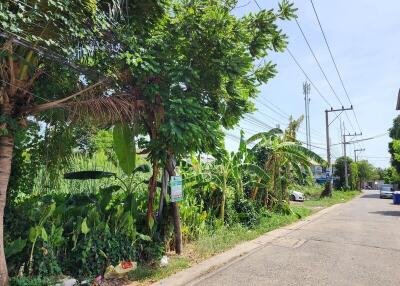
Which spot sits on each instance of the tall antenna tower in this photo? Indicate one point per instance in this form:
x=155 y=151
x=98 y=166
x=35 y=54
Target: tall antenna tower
x=306 y=92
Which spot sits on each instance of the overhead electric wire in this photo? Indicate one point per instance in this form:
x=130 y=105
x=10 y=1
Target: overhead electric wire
x=318 y=63
x=322 y=70
x=334 y=62
x=307 y=77
x=282 y=113
x=336 y=68
x=258 y=4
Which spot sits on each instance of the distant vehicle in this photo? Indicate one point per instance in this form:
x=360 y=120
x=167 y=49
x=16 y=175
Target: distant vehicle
x=386 y=191
x=296 y=196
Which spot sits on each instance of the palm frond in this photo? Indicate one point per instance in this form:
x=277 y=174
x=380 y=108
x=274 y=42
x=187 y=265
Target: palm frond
x=106 y=109
x=293 y=146
x=269 y=134
x=261 y=173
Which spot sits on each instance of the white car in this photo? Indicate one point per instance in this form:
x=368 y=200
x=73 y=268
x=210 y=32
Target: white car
x=386 y=191
x=296 y=196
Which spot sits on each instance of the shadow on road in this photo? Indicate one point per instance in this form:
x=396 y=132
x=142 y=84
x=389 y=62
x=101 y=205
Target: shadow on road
x=387 y=213
x=370 y=196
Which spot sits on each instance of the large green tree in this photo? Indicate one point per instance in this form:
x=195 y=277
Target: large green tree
x=394 y=146
x=198 y=72
x=339 y=171
x=366 y=171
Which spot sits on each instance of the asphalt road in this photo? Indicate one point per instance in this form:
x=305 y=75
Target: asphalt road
x=356 y=244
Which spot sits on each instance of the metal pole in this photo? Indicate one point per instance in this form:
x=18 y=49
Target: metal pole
x=346 y=177
x=328 y=147
x=306 y=91
x=309 y=122
x=328 y=153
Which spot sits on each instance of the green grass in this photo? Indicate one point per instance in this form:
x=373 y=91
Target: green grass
x=226 y=237
x=337 y=197
x=151 y=273
x=215 y=242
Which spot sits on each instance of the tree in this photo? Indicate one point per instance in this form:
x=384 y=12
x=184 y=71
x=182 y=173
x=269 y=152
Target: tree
x=283 y=159
x=391 y=176
x=340 y=171
x=354 y=177
x=196 y=74
x=366 y=172
x=394 y=146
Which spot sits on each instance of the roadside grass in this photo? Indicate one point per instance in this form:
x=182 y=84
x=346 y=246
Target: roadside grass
x=215 y=242
x=337 y=197
x=147 y=274
x=226 y=237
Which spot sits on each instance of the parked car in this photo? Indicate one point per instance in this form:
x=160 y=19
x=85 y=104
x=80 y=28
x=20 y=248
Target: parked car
x=296 y=196
x=386 y=191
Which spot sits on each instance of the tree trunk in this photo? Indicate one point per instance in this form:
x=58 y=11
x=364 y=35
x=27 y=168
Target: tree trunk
x=326 y=192
x=175 y=210
x=255 y=190
x=223 y=199
x=6 y=150
x=152 y=194
x=222 y=209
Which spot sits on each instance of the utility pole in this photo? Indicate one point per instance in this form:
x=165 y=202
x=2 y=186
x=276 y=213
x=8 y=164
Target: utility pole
x=328 y=190
x=355 y=153
x=346 y=176
x=306 y=92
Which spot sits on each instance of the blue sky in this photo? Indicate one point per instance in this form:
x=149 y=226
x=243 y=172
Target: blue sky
x=364 y=37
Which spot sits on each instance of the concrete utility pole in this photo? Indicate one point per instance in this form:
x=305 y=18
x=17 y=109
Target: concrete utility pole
x=346 y=176
x=306 y=92
x=328 y=145
x=355 y=153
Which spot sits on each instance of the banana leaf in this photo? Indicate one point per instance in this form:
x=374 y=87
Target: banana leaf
x=88 y=175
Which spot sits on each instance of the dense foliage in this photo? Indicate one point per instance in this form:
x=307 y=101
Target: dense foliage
x=88 y=86
x=394 y=146
x=81 y=227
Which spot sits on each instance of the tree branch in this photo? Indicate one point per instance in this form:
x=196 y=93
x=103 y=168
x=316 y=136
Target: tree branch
x=60 y=102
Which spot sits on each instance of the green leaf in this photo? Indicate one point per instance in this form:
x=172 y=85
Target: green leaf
x=84 y=227
x=14 y=247
x=44 y=234
x=124 y=147
x=88 y=175
x=144 y=237
x=32 y=234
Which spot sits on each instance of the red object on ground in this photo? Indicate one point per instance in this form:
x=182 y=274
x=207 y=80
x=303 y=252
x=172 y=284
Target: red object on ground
x=126 y=264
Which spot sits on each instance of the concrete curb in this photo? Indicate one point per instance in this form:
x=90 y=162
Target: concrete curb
x=198 y=272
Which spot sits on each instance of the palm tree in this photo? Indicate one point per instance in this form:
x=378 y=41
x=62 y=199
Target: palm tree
x=282 y=158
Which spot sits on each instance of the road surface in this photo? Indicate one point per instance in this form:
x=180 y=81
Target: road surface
x=356 y=244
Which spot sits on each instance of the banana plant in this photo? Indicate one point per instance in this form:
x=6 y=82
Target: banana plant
x=227 y=175
x=284 y=160
x=39 y=230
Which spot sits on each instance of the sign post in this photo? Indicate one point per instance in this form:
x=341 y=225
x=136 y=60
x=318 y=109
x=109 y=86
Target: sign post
x=176 y=189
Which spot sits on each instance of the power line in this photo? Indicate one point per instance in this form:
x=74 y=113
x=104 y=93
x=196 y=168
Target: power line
x=322 y=71
x=334 y=62
x=307 y=77
x=318 y=63
x=258 y=4
x=282 y=113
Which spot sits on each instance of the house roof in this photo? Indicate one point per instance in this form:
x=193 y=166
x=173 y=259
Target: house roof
x=398 y=101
